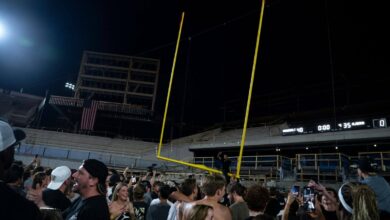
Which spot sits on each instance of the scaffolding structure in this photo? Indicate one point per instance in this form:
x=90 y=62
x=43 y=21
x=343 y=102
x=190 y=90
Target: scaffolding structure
x=119 y=79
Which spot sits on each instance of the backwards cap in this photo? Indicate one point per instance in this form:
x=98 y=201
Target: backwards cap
x=9 y=136
x=97 y=169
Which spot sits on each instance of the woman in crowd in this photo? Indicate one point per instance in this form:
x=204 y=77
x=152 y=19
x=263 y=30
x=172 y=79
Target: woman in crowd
x=329 y=204
x=358 y=202
x=120 y=207
x=199 y=212
x=40 y=179
x=297 y=208
x=365 y=206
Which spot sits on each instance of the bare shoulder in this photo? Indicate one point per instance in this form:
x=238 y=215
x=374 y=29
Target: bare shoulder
x=224 y=208
x=222 y=212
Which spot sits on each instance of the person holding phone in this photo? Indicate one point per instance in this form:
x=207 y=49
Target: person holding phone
x=322 y=189
x=291 y=204
x=302 y=205
x=309 y=199
x=295 y=190
x=328 y=199
x=291 y=207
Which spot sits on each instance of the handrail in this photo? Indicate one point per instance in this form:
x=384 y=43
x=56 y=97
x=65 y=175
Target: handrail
x=111 y=158
x=324 y=166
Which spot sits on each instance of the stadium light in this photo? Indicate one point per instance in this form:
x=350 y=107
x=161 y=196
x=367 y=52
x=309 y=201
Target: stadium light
x=69 y=86
x=3 y=31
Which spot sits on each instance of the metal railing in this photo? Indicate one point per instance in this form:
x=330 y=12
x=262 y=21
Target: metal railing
x=325 y=167
x=110 y=159
x=264 y=165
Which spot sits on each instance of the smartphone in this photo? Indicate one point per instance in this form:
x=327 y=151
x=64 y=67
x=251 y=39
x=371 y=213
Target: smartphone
x=309 y=199
x=295 y=190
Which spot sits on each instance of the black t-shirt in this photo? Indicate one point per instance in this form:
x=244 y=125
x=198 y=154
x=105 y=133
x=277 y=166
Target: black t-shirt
x=273 y=207
x=140 y=210
x=329 y=215
x=158 y=211
x=15 y=207
x=92 y=208
x=55 y=199
x=73 y=208
x=226 y=165
x=154 y=195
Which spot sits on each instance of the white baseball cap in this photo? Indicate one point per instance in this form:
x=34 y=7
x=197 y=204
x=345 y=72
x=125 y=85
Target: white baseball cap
x=58 y=176
x=9 y=136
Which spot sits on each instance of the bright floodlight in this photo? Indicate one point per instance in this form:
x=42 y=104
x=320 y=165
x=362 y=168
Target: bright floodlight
x=69 y=86
x=3 y=31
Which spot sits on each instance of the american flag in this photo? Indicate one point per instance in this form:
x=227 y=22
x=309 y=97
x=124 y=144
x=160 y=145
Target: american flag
x=89 y=115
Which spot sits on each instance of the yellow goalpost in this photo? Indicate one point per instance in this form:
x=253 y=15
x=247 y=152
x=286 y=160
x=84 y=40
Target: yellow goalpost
x=201 y=166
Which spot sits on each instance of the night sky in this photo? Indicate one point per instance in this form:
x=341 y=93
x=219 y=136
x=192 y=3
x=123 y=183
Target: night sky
x=307 y=48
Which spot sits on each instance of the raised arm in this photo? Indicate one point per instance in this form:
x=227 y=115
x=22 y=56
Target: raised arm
x=319 y=187
x=290 y=200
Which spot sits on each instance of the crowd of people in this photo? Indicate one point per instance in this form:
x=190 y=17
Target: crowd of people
x=94 y=191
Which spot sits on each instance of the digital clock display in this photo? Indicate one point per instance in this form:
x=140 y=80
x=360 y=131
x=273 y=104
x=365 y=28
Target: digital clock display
x=339 y=126
x=379 y=123
x=323 y=127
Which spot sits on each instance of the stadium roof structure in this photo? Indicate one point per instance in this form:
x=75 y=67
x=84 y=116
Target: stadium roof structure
x=19 y=108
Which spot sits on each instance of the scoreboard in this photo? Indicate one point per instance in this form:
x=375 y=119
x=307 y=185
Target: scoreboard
x=337 y=126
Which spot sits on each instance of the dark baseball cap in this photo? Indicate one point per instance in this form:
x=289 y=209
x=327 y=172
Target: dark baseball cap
x=365 y=165
x=97 y=169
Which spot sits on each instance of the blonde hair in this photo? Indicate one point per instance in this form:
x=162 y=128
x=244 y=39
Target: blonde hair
x=365 y=206
x=116 y=191
x=197 y=212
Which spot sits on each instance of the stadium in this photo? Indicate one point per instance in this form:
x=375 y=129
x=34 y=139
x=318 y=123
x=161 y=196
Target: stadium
x=148 y=117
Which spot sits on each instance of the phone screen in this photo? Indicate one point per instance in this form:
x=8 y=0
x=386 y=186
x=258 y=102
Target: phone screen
x=295 y=190
x=309 y=199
